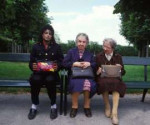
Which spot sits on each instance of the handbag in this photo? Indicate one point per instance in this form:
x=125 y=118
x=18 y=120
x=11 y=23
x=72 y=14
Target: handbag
x=111 y=71
x=78 y=72
x=47 y=66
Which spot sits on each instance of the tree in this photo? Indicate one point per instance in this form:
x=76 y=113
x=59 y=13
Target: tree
x=135 y=22
x=22 y=20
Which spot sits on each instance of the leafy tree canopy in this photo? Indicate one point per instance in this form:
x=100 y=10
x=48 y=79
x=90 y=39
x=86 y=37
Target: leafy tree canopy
x=135 y=22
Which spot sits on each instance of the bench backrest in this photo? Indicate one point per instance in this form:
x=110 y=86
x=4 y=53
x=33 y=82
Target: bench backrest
x=144 y=61
x=15 y=57
x=24 y=57
x=136 y=60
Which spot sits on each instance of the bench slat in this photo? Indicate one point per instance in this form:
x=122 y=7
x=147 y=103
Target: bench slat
x=18 y=83
x=14 y=83
x=15 y=57
x=136 y=60
x=137 y=85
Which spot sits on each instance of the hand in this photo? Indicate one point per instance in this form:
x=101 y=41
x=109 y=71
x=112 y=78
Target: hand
x=55 y=66
x=99 y=71
x=34 y=66
x=119 y=65
x=85 y=64
x=77 y=64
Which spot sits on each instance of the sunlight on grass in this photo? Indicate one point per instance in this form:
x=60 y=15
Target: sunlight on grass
x=14 y=70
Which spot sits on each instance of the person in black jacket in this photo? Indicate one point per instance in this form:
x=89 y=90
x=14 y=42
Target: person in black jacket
x=45 y=50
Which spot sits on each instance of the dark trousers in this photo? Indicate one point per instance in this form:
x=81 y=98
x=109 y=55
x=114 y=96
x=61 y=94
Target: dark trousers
x=37 y=81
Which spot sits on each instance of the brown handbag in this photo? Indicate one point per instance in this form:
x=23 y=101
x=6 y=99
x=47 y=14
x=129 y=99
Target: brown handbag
x=111 y=71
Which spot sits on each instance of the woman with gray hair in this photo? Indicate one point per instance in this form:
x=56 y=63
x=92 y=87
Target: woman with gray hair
x=80 y=57
x=107 y=85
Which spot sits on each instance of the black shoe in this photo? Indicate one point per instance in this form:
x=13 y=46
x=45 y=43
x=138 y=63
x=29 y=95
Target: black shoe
x=53 y=113
x=73 y=112
x=87 y=112
x=32 y=114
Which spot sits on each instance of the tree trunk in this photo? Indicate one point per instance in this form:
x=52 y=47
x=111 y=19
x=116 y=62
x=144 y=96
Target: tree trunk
x=143 y=51
x=147 y=48
x=27 y=47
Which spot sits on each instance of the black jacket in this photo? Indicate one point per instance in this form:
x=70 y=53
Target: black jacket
x=52 y=53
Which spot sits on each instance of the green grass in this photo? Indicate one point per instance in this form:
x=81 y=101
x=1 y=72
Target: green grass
x=135 y=73
x=14 y=90
x=19 y=70
x=14 y=70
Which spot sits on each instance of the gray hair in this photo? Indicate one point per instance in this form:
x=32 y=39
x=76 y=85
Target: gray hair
x=112 y=42
x=82 y=34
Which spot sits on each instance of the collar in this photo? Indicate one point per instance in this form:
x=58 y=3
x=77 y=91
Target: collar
x=111 y=54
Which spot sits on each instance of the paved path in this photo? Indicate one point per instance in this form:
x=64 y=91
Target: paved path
x=14 y=110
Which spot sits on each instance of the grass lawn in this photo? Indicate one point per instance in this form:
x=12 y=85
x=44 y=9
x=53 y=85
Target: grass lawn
x=14 y=70
x=20 y=70
x=135 y=73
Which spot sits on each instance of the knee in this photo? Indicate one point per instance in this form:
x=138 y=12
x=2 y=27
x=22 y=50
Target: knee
x=49 y=79
x=115 y=93
x=35 y=79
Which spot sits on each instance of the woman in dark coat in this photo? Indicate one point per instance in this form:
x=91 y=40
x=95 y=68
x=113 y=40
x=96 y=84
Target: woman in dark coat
x=112 y=85
x=80 y=57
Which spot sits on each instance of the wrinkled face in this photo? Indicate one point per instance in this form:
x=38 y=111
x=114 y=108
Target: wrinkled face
x=107 y=48
x=47 y=35
x=81 y=42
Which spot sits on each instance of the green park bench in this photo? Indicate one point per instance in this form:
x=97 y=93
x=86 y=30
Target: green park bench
x=24 y=57
x=145 y=85
x=63 y=85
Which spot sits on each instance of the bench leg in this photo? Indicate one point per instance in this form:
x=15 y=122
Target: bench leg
x=61 y=96
x=144 y=93
x=65 y=95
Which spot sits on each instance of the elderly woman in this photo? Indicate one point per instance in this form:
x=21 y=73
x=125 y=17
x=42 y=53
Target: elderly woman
x=113 y=85
x=80 y=57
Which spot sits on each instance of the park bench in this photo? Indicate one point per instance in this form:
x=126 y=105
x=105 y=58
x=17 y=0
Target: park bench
x=145 y=84
x=24 y=57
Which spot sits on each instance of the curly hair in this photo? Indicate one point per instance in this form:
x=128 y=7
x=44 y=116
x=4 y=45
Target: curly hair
x=44 y=28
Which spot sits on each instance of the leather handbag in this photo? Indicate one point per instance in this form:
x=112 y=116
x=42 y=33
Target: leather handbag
x=111 y=71
x=78 y=72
